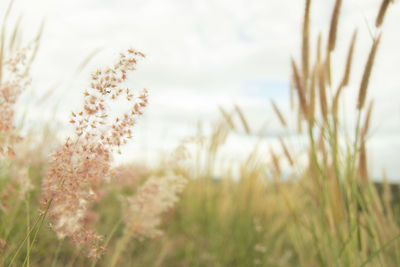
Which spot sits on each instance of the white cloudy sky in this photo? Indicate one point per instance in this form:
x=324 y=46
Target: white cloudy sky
x=205 y=53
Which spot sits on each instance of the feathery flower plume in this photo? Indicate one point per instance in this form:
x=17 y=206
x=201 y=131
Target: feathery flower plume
x=16 y=70
x=10 y=191
x=129 y=175
x=14 y=79
x=153 y=198
x=83 y=163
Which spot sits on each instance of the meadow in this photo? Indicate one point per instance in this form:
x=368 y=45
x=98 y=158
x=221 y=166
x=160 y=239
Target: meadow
x=66 y=203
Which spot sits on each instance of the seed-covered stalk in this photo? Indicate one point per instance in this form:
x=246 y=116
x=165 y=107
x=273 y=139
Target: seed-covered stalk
x=362 y=94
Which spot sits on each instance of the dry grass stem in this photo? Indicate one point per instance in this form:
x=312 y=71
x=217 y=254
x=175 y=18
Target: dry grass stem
x=311 y=109
x=306 y=42
x=382 y=12
x=346 y=76
x=362 y=95
x=322 y=93
x=300 y=89
x=319 y=45
x=363 y=163
x=291 y=94
x=334 y=26
x=286 y=151
x=365 y=128
x=227 y=117
x=349 y=60
x=278 y=113
x=242 y=119
x=277 y=166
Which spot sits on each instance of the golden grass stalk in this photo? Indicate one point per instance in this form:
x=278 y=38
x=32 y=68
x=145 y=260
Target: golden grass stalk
x=276 y=164
x=299 y=87
x=382 y=12
x=365 y=127
x=334 y=191
x=286 y=151
x=242 y=119
x=311 y=109
x=88 y=58
x=306 y=42
x=319 y=44
x=367 y=73
x=322 y=147
x=300 y=118
x=291 y=94
x=278 y=113
x=334 y=26
x=313 y=172
x=363 y=163
x=35 y=46
x=311 y=115
x=387 y=196
x=14 y=36
x=349 y=60
x=322 y=93
x=335 y=103
x=227 y=117
x=346 y=75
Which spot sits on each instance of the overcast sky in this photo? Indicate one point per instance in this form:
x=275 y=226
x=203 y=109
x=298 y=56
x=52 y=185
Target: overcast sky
x=205 y=53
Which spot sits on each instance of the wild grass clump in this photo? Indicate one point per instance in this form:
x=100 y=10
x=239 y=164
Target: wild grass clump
x=345 y=222
x=79 y=170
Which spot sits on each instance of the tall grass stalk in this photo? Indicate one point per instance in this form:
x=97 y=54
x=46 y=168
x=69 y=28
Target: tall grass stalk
x=38 y=223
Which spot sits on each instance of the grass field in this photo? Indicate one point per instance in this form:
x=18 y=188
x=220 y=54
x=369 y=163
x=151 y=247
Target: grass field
x=65 y=203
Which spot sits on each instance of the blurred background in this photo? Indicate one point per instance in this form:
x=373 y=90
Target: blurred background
x=202 y=55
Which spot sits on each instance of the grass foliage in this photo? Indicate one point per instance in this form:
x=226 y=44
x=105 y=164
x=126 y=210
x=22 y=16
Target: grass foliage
x=314 y=207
